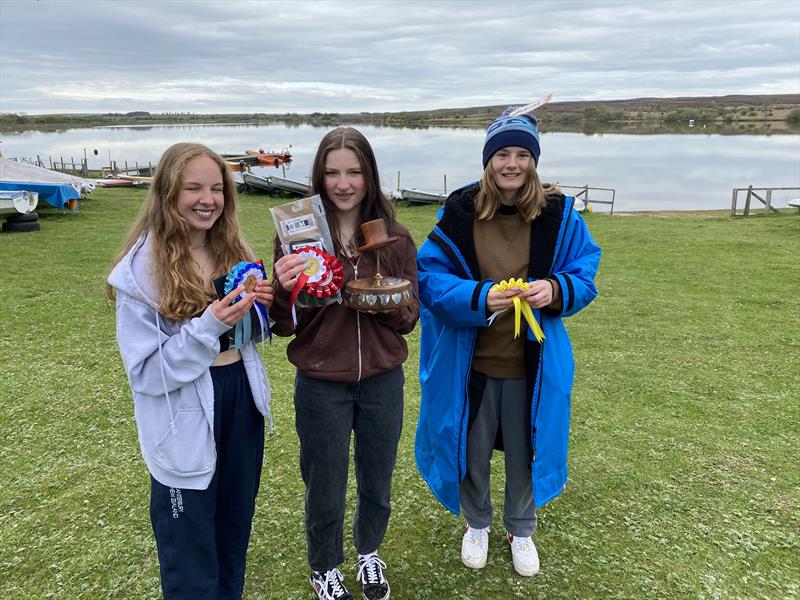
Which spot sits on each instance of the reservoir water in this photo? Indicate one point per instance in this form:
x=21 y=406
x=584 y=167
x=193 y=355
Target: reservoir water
x=649 y=172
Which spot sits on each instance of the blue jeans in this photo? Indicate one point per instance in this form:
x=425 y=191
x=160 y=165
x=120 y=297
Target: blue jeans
x=326 y=412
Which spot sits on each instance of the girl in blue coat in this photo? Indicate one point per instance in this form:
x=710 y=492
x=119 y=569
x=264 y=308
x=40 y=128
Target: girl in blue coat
x=506 y=237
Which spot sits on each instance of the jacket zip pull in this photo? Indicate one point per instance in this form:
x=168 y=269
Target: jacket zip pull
x=358 y=320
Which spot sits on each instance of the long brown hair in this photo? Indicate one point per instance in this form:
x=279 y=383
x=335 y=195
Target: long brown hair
x=530 y=199
x=374 y=205
x=182 y=290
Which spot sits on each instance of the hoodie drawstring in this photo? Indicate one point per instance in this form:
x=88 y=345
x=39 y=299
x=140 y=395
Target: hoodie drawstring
x=163 y=377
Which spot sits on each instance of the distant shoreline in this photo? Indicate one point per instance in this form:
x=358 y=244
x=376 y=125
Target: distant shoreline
x=778 y=113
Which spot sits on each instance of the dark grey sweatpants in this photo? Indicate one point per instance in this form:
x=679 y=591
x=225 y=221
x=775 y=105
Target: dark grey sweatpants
x=505 y=404
x=326 y=414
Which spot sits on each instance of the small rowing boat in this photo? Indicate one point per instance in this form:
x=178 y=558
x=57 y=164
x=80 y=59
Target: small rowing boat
x=414 y=196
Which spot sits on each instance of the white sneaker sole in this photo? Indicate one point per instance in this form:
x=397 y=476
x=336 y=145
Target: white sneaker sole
x=526 y=572
x=473 y=563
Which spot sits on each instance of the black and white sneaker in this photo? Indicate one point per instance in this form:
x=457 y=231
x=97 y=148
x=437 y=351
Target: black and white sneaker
x=370 y=574
x=329 y=585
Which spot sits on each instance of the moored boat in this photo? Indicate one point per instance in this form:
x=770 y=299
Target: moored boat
x=414 y=196
x=237 y=167
x=276 y=186
x=57 y=195
x=14 y=171
x=290 y=186
x=137 y=181
x=256 y=183
x=269 y=160
x=248 y=159
x=110 y=182
x=14 y=202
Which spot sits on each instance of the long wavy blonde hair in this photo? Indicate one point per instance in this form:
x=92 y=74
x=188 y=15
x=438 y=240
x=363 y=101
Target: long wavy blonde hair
x=530 y=200
x=183 y=291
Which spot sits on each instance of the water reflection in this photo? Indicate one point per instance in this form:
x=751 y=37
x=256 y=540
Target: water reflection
x=649 y=172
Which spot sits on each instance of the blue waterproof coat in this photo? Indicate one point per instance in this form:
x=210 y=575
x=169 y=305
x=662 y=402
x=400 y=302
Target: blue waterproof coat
x=453 y=307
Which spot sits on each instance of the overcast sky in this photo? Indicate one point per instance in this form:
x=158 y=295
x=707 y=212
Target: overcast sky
x=350 y=56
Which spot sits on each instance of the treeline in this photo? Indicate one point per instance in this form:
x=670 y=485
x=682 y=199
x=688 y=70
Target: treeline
x=729 y=113
x=131 y=118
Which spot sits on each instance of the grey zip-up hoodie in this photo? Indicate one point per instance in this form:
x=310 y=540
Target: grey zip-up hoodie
x=167 y=363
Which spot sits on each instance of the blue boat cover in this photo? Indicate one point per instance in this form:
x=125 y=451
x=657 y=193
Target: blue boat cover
x=55 y=194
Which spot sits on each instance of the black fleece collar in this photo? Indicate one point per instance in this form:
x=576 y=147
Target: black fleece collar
x=457 y=223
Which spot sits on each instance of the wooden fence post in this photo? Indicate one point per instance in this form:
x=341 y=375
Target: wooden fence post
x=747 y=201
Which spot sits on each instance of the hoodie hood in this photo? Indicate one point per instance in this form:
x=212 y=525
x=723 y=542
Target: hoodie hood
x=133 y=275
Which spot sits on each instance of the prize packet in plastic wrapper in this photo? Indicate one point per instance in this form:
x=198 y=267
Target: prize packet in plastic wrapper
x=303 y=224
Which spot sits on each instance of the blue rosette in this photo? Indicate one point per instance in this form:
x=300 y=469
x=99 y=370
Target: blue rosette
x=248 y=274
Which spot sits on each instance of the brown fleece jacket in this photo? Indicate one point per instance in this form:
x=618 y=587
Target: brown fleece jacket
x=337 y=343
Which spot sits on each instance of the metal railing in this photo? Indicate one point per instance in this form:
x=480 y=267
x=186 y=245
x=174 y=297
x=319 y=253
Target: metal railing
x=583 y=194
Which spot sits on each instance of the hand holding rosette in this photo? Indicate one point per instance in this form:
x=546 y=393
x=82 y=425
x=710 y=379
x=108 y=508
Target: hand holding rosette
x=321 y=277
x=247 y=275
x=521 y=307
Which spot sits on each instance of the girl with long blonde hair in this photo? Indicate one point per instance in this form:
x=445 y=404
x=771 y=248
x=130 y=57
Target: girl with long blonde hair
x=199 y=400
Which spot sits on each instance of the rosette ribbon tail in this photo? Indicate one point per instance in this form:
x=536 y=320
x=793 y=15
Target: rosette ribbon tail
x=263 y=320
x=241 y=334
x=523 y=308
x=298 y=287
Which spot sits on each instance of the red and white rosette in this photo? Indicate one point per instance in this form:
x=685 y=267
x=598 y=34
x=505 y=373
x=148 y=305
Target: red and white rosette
x=321 y=277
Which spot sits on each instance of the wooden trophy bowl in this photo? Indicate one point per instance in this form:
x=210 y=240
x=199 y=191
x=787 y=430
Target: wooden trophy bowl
x=378 y=293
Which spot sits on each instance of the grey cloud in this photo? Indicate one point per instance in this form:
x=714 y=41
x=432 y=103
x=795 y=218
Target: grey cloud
x=341 y=56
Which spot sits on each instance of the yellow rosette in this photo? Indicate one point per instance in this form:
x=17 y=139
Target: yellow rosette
x=521 y=307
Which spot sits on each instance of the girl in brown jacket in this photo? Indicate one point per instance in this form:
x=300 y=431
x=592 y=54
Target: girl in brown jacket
x=349 y=371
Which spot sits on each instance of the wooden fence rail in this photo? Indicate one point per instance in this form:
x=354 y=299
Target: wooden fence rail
x=754 y=192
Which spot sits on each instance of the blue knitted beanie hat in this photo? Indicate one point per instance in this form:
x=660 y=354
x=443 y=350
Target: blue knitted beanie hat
x=521 y=130
x=515 y=127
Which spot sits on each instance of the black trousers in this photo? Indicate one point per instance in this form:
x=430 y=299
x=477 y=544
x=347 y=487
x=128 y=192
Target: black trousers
x=326 y=412
x=202 y=535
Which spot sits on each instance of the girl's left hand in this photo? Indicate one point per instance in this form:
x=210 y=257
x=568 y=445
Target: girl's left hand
x=539 y=293
x=264 y=293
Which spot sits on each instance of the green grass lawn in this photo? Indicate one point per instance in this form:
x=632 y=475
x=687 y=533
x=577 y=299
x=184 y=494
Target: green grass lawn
x=684 y=462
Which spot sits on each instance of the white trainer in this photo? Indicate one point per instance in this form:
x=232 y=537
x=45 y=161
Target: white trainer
x=524 y=555
x=475 y=547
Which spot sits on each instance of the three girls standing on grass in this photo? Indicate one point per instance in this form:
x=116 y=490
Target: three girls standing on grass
x=200 y=405
x=505 y=245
